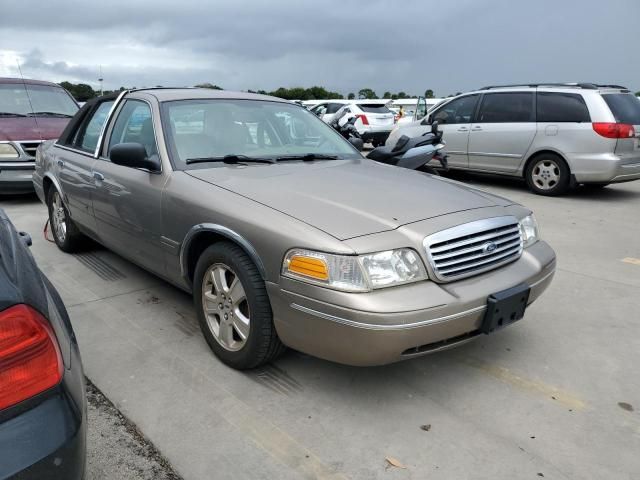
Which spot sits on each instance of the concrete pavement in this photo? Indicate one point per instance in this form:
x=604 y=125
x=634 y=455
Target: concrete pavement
x=540 y=398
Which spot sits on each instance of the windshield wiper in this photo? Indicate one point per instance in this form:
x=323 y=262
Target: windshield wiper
x=49 y=114
x=230 y=159
x=11 y=114
x=307 y=157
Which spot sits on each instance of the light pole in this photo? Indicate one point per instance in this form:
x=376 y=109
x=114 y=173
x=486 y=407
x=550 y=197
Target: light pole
x=101 y=80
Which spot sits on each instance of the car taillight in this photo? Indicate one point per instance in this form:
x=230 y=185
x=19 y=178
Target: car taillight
x=364 y=119
x=614 y=130
x=30 y=360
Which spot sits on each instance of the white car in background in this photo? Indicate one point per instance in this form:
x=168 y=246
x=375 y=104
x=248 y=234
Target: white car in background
x=374 y=120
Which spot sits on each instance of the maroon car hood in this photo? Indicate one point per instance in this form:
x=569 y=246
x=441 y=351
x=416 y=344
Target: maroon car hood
x=30 y=128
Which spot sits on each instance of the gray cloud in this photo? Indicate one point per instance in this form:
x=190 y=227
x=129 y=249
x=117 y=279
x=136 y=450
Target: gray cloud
x=345 y=45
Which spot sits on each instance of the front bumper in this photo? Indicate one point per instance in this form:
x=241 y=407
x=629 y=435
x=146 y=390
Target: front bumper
x=16 y=177
x=374 y=329
x=605 y=168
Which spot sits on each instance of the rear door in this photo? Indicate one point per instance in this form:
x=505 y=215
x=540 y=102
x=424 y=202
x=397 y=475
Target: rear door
x=502 y=131
x=625 y=107
x=74 y=163
x=127 y=202
x=454 y=119
x=331 y=110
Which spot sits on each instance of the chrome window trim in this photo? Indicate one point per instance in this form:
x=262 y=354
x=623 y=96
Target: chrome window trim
x=372 y=326
x=96 y=153
x=110 y=131
x=463 y=230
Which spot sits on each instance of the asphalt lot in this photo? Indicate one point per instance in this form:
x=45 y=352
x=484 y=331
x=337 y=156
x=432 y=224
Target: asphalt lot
x=555 y=396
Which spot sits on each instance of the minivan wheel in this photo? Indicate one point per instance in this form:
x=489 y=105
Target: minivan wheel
x=548 y=174
x=233 y=308
x=65 y=233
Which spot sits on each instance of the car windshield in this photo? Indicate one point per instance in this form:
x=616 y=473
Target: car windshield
x=215 y=128
x=42 y=100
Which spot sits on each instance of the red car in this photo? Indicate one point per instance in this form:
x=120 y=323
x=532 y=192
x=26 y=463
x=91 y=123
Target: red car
x=31 y=111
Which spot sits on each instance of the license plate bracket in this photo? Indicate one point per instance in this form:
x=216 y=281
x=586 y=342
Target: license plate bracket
x=505 y=308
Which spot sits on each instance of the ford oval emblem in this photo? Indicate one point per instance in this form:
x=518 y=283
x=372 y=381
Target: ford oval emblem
x=489 y=247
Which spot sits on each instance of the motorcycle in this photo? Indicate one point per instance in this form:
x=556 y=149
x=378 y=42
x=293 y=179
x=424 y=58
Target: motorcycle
x=347 y=129
x=414 y=153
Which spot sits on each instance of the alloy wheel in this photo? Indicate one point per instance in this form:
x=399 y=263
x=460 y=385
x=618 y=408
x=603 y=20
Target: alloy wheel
x=225 y=306
x=59 y=217
x=545 y=174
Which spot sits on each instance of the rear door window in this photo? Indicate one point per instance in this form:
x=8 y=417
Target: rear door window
x=89 y=132
x=511 y=107
x=334 y=107
x=624 y=106
x=561 y=107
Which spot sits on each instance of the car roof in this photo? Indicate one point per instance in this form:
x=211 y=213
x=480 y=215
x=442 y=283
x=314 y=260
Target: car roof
x=28 y=81
x=170 y=94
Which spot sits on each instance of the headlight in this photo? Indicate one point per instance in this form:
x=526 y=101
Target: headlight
x=8 y=151
x=529 y=230
x=355 y=273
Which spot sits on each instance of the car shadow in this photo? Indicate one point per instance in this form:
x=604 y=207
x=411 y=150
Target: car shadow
x=610 y=193
x=19 y=199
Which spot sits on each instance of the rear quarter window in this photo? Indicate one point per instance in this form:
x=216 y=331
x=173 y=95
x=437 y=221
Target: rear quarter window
x=624 y=106
x=374 y=108
x=561 y=107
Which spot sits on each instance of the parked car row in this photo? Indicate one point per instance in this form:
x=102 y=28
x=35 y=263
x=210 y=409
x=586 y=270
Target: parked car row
x=553 y=135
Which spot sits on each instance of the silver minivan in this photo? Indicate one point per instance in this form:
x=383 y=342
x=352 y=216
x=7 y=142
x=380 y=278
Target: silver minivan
x=554 y=135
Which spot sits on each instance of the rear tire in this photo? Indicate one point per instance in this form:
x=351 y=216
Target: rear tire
x=548 y=174
x=65 y=233
x=233 y=308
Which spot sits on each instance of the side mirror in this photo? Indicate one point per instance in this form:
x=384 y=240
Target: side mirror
x=133 y=155
x=434 y=127
x=357 y=142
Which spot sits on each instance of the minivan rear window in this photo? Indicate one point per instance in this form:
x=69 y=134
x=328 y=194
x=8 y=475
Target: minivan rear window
x=561 y=107
x=373 y=108
x=624 y=106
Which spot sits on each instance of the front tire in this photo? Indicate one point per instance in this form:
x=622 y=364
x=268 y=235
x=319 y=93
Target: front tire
x=66 y=234
x=233 y=308
x=548 y=174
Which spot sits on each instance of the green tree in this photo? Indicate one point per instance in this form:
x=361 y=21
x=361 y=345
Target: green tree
x=386 y=95
x=367 y=93
x=209 y=85
x=351 y=96
x=428 y=93
x=638 y=94
x=81 y=91
x=402 y=95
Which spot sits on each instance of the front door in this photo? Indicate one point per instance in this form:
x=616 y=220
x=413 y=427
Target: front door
x=454 y=119
x=127 y=202
x=74 y=163
x=502 y=132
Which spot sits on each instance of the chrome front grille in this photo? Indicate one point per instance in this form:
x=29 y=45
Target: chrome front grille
x=30 y=147
x=473 y=248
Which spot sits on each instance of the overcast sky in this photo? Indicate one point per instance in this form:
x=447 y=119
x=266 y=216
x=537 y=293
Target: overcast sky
x=344 y=45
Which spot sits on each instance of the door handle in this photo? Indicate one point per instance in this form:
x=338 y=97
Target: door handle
x=476 y=129
x=98 y=176
x=463 y=129
x=60 y=163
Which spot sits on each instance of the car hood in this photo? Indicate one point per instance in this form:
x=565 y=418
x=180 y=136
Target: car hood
x=348 y=198
x=30 y=128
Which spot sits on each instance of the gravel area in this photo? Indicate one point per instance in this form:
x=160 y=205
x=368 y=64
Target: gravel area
x=116 y=450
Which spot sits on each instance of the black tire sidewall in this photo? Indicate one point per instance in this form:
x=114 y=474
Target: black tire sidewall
x=565 y=175
x=254 y=352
